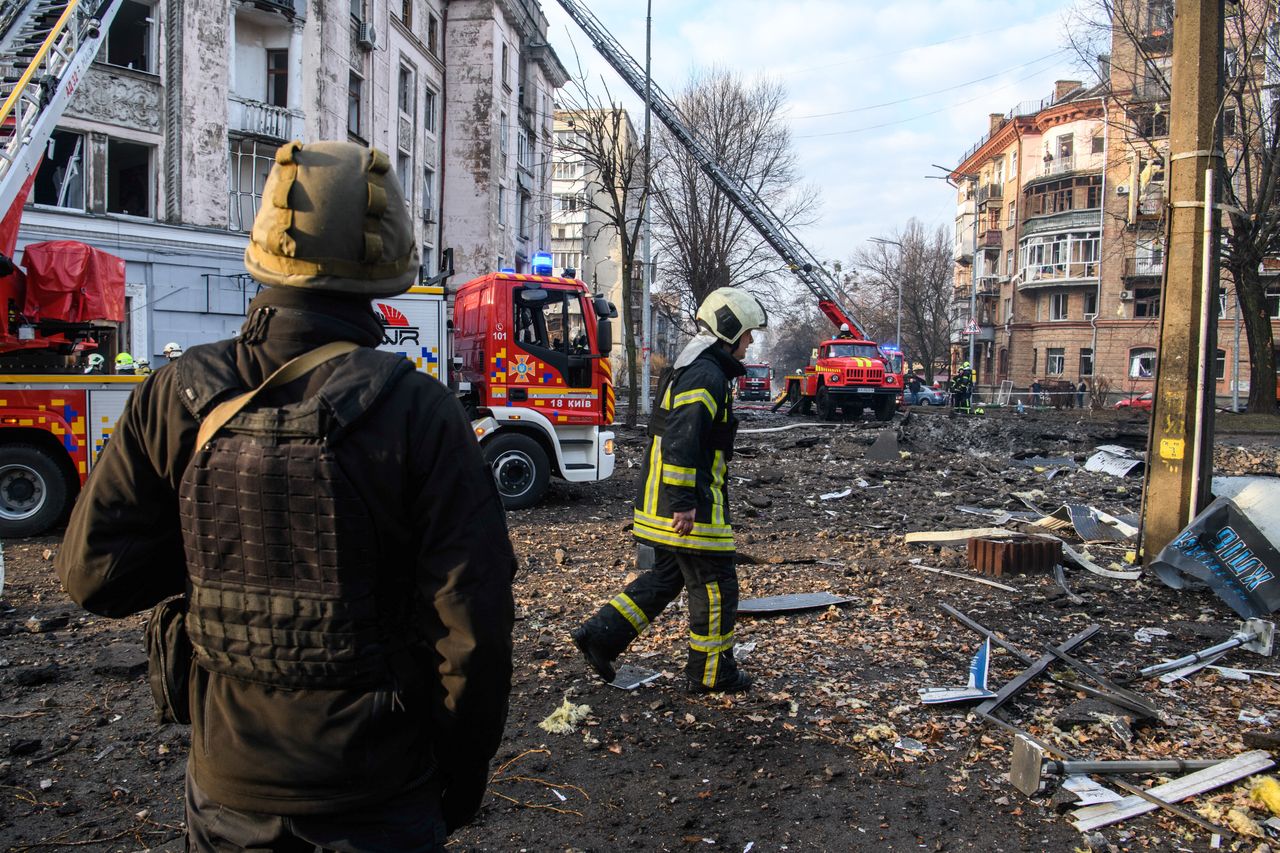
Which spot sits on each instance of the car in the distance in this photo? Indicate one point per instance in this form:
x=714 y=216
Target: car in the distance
x=929 y=397
x=1141 y=403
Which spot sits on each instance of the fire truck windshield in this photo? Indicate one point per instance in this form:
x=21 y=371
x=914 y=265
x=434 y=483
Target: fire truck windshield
x=843 y=350
x=555 y=321
x=758 y=371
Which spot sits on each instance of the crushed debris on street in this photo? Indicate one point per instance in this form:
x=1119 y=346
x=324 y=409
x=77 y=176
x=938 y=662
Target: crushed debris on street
x=833 y=749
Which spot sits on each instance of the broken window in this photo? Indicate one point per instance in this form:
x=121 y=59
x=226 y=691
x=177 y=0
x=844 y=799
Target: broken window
x=1153 y=122
x=1086 y=361
x=405 y=91
x=1220 y=365
x=1090 y=303
x=1142 y=363
x=129 y=39
x=433 y=35
x=250 y=163
x=355 y=94
x=404 y=171
x=278 y=77
x=128 y=178
x=406 y=13
x=1058 y=306
x=1146 y=302
x=429 y=194
x=1159 y=17
x=1055 y=359
x=60 y=180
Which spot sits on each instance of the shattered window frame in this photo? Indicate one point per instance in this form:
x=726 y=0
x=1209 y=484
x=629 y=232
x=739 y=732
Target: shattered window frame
x=1142 y=363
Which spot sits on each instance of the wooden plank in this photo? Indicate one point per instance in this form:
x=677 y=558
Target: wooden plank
x=953 y=537
x=1025 y=677
x=1105 y=814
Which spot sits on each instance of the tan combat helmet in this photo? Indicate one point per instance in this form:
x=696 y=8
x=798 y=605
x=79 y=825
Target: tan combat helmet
x=333 y=218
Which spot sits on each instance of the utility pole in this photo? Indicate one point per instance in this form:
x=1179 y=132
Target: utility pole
x=1180 y=441
x=973 y=294
x=646 y=331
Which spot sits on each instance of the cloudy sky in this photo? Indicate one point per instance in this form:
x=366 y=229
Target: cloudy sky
x=879 y=89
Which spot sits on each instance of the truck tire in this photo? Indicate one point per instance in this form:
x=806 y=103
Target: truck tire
x=826 y=406
x=33 y=491
x=884 y=407
x=520 y=469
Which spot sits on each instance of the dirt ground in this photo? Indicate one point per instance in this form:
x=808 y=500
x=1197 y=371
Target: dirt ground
x=832 y=750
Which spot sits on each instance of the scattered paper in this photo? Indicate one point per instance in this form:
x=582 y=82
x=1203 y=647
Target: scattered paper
x=1146 y=635
x=832 y=496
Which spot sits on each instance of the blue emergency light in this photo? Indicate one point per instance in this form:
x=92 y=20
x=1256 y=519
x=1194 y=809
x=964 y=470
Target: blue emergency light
x=542 y=263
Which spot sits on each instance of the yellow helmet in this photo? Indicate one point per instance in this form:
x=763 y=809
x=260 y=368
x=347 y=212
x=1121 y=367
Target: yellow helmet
x=730 y=311
x=333 y=218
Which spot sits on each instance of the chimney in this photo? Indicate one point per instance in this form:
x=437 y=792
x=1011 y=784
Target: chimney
x=1062 y=88
x=995 y=120
x=1104 y=67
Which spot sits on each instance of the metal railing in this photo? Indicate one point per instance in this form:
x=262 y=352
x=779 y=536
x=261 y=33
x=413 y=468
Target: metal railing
x=1026 y=108
x=1136 y=267
x=987 y=192
x=246 y=115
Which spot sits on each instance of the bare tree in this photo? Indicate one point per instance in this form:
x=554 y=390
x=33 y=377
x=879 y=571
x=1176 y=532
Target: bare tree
x=705 y=241
x=794 y=330
x=604 y=141
x=1137 y=35
x=919 y=263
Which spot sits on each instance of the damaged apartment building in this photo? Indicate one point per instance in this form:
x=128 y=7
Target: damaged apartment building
x=162 y=154
x=1060 y=225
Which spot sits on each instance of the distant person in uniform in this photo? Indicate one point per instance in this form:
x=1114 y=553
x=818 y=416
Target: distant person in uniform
x=125 y=365
x=1080 y=392
x=95 y=363
x=172 y=351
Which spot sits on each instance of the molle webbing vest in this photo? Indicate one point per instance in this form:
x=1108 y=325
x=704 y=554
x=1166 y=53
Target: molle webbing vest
x=291 y=581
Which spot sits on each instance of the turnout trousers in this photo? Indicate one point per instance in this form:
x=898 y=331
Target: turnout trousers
x=712 y=583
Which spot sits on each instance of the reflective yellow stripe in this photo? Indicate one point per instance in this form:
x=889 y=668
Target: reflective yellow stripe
x=676 y=475
x=700 y=395
x=630 y=611
x=668 y=537
x=705 y=530
x=710 y=644
x=651 y=481
x=712 y=667
x=718 y=471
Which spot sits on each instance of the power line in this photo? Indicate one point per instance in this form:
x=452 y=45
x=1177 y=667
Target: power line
x=1035 y=61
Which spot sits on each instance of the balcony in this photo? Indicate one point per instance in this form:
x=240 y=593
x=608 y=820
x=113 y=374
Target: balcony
x=285 y=6
x=1051 y=275
x=990 y=192
x=255 y=118
x=1151 y=89
x=962 y=253
x=988 y=285
x=992 y=238
x=1151 y=203
x=1144 y=267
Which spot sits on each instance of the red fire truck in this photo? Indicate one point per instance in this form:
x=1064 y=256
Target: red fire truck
x=757 y=383
x=847 y=376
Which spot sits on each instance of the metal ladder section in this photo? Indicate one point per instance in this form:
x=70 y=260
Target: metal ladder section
x=756 y=211
x=45 y=50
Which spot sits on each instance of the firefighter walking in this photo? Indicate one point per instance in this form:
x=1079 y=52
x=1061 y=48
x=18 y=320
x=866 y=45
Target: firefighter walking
x=683 y=507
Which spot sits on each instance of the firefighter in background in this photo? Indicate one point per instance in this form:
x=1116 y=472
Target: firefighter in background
x=95 y=363
x=125 y=365
x=962 y=387
x=683 y=506
x=172 y=351
x=349 y=694
x=844 y=331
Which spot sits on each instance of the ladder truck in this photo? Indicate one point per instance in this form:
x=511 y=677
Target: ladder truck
x=859 y=378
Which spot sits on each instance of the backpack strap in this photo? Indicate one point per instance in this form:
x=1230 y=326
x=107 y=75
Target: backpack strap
x=286 y=373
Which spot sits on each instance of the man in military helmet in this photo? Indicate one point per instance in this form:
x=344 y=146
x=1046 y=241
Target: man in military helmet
x=683 y=506
x=344 y=548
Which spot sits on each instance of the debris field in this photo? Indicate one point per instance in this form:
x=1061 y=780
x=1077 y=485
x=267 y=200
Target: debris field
x=832 y=749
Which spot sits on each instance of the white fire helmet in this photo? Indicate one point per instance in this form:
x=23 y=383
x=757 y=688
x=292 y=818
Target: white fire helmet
x=729 y=311
x=172 y=350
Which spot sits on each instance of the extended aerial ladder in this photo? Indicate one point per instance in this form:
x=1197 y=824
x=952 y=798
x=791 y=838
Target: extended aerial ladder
x=45 y=49
x=748 y=202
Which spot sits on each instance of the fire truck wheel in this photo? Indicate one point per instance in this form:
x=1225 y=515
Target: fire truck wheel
x=33 y=490
x=884 y=408
x=826 y=406
x=520 y=469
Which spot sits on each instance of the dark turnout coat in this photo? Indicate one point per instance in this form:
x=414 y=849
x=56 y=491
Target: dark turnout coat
x=438 y=527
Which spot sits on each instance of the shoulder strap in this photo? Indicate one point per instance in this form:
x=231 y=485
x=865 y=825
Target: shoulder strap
x=289 y=371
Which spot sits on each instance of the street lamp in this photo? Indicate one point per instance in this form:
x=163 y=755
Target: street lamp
x=897 y=335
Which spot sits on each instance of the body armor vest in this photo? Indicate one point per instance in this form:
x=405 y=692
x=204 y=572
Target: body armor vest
x=289 y=585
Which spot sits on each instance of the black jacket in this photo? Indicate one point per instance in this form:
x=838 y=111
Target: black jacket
x=686 y=465
x=417 y=468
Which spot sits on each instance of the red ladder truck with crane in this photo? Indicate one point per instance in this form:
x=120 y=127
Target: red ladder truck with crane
x=532 y=364
x=849 y=373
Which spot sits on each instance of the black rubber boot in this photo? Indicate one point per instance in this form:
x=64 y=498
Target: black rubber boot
x=595 y=657
x=739 y=683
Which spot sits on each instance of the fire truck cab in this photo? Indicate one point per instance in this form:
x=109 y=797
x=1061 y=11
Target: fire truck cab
x=847 y=375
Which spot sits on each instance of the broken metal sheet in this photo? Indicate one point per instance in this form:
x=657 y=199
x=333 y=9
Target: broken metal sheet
x=790 y=603
x=885 y=448
x=1061 y=577
x=1105 y=814
x=1085 y=563
x=1233 y=546
x=630 y=677
x=1092 y=525
x=1113 y=459
x=1189 y=669
x=979 y=669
